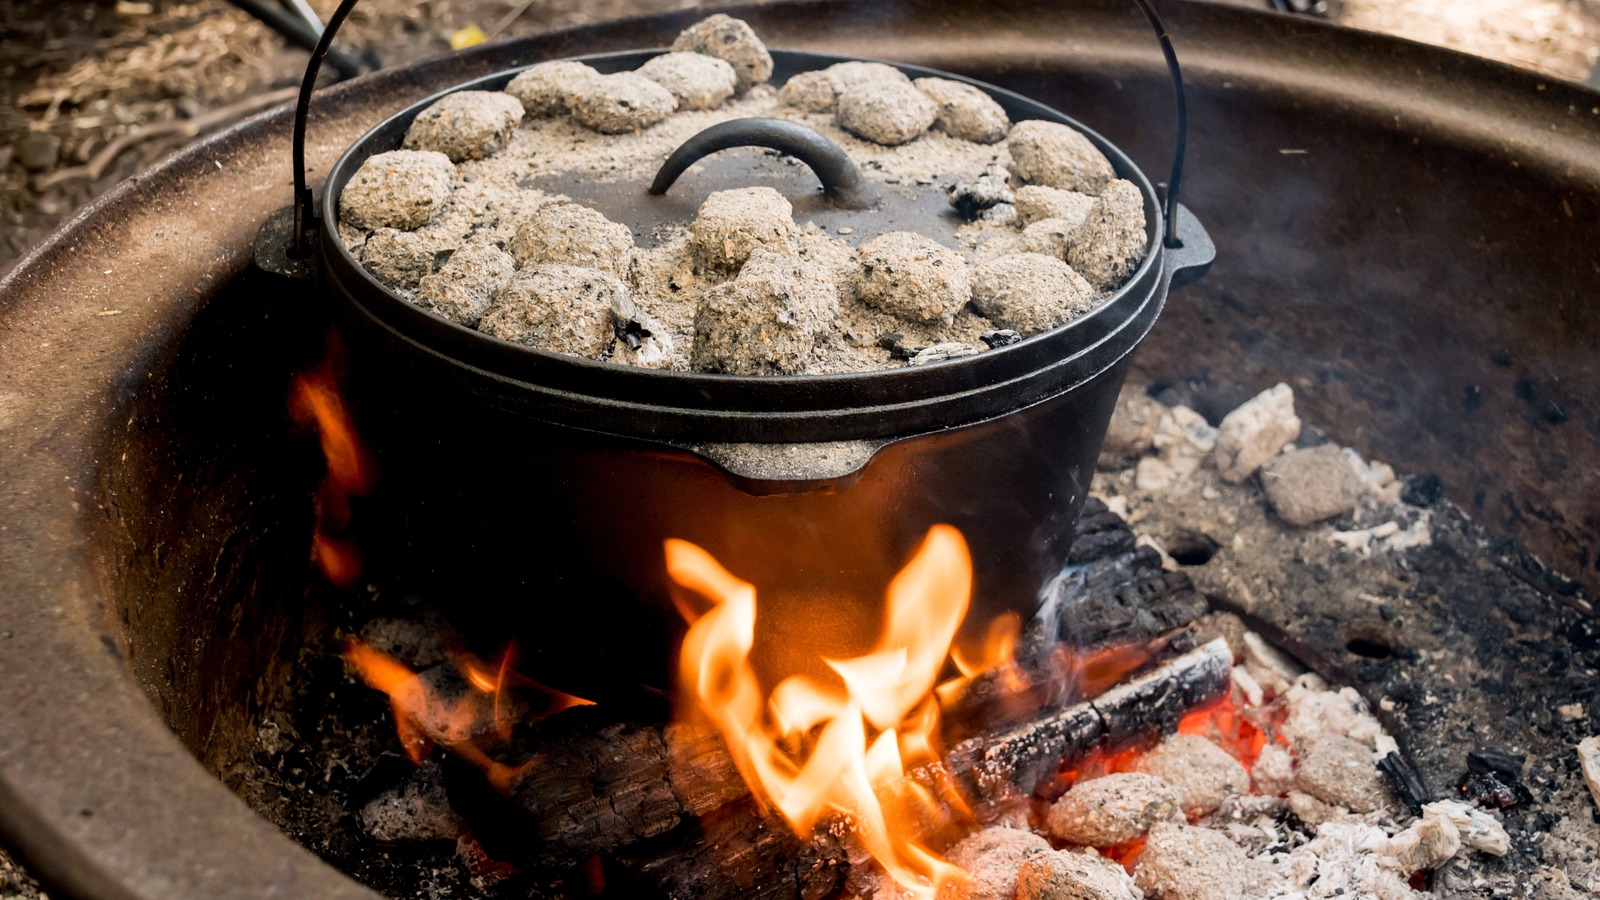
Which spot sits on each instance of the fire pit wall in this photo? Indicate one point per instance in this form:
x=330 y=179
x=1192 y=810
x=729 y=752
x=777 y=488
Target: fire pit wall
x=1415 y=267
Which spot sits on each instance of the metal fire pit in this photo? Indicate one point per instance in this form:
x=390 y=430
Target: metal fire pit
x=1416 y=265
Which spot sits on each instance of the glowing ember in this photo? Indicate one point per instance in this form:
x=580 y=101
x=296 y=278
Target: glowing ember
x=813 y=747
x=315 y=400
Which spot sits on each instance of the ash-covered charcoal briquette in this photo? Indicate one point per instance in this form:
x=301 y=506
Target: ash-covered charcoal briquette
x=808 y=91
x=1036 y=202
x=562 y=309
x=547 y=89
x=621 y=103
x=912 y=277
x=399 y=259
x=847 y=75
x=885 y=112
x=965 y=111
x=401 y=189
x=466 y=124
x=1057 y=156
x=466 y=284
x=731 y=224
x=768 y=320
x=697 y=81
x=1074 y=875
x=1049 y=237
x=643 y=341
x=1113 y=809
x=988 y=190
x=1107 y=247
x=573 y=235
x=1342 y=771
x=1029 y=292
x=1185 y=862
x=1203 y=774
x=993 y=859
x=732 y=41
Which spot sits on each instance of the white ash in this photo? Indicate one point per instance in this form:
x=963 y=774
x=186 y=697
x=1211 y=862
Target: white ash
x=1068 y=875
x=573 y=235
x=397 y=258
x=1185 y=862
x=1315 y=711
x=812 y=92
x=885 y=112
x=547 y=89
x=992 y=858
x=1184 y=440
x=466 y=125
x=732 y=224
x=417 y=809
x=562 y=309
x=1589 y=764
x=1202 y=773
x=942 y=351
x=1377 y=477
x=1273 y=669
x=1029 y=293
x=401 y=189
x=988 y=190
x=768 y=320
x=1036 y=202
x=1256 y=431
x=912 y=277
x=1132 y=429
x=1109 y=244
x=697 y=81
x=1342 y=771
x=1058 y=156
x=1478 y=828
x=1113 y=809
x=1313 y=811
x=1273 y=772
x=1310 y=485
x=732 y=41
x=447 y=709
x=965 y=111
x=621 y=102
x=1048 y=237
x=467 y=283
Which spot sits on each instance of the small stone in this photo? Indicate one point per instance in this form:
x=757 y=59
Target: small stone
x=1048 y=237
x=1113 y=809
x=942 y=351
x=992 y=858
x=1029 y=292
x=1059 y=156
x=466 y=125
x=988 y=190
x=399 y=259
x=1310 y=485
x=573 y=235
x=1036 y=202
x=1341 y=771
x=1109 y=244
x=1202 y=773
x=467 y=283
x=732 y=224
x=417 y=809
x=885 y=112
x=1273 y=773
x=621 y=103
x=38 y=151
x=697 y=81
x=1255 y=432
x=965 y=111
x=809 y=91
x=912 y=277
x=547 y=89
x=766 y=321
x=401 y=189
x=1183 y=862
x=733 y=42
x=562 y=309
x=1133 y=424
x=1066 y=875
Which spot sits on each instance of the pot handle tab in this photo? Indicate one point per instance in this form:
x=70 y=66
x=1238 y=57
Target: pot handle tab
x=769 y=469
x=1191 y=257
x=842 y=182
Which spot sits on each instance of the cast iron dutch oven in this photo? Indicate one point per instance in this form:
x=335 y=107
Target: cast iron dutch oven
x=529 y=493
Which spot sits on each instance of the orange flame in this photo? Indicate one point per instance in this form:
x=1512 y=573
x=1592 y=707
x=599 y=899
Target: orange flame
x=812 y=748
x=315 y=400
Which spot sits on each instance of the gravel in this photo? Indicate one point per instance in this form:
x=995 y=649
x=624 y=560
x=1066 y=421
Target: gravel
x=767 y=321
x=467 y=283
x=1029 y=292
x=885 y=112
x=731 y=224
x=547 y=89
x=733 y=42
x=1058 y=156
x=697 y=81
x=621 y=103
x=1107 y=247
x=912 y=277
x=573 y=235
x=466 y=125
x=562 y=309
x=401 y=189
x=964 y=111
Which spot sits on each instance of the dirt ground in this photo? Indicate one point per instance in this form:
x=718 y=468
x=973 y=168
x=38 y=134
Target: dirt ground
x=94 y=91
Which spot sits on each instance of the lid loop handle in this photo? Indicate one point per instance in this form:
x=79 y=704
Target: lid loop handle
x=842 y=182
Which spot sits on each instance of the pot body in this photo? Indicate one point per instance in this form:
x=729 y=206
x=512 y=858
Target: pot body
x=530 y=493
